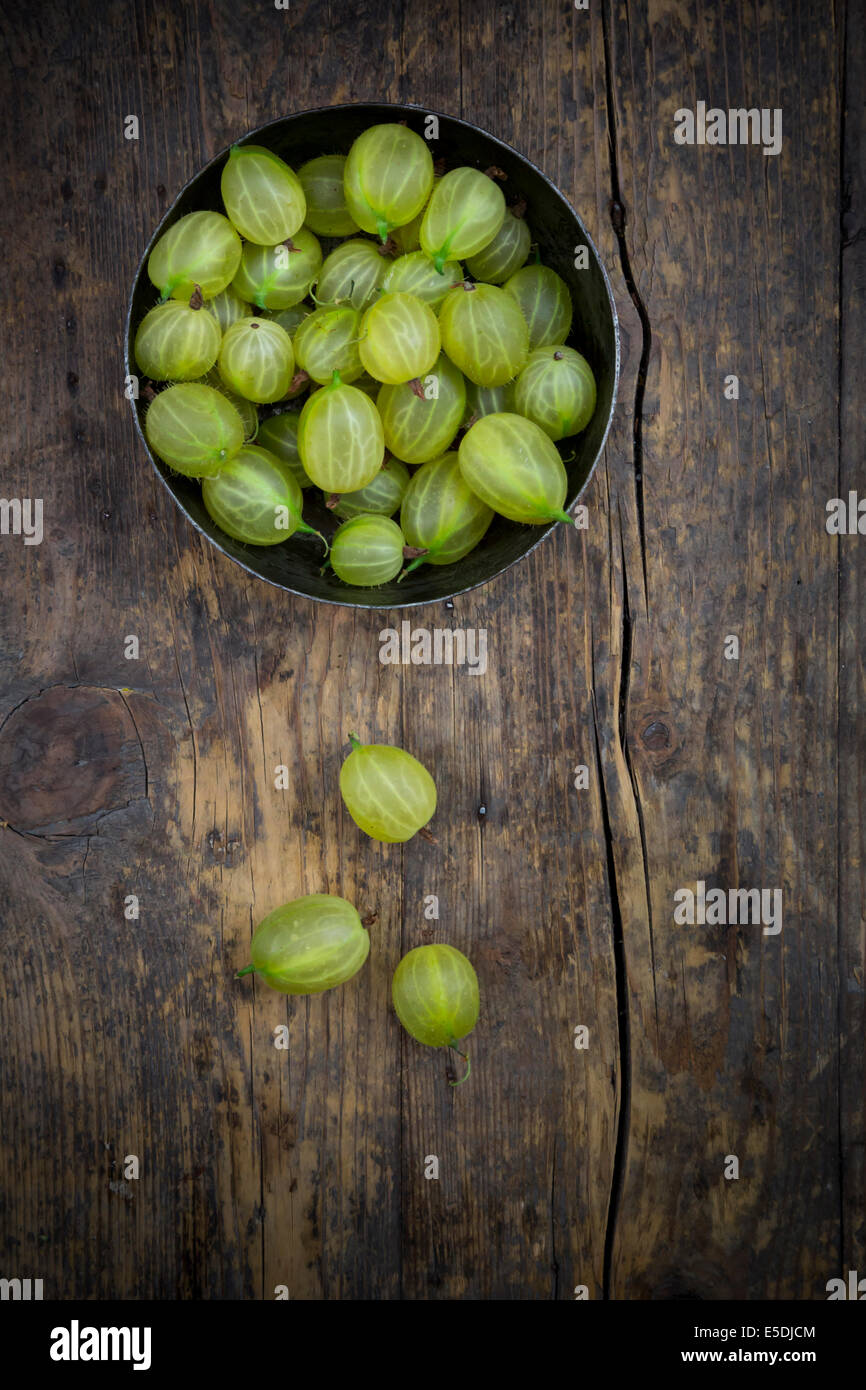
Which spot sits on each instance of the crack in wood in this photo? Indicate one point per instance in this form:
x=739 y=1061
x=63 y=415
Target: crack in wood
x=618 y=221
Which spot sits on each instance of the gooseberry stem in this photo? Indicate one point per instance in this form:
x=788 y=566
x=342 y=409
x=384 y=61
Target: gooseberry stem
x=407 y=569
x=465 y=1055
x=382 y=228
x=562 y=516
x=311 y=531
x=247 y=970
x=355 y=742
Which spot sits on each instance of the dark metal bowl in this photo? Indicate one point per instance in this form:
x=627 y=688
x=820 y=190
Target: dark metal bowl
x=556 y=228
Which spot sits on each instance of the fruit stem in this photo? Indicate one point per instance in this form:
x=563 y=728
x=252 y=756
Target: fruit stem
x=382 y=228
x=311 y=531
x=407 y=569
x=562 y=516
x=465 y=1055
x=355 y=742
x=247 y=970
x=336 y=379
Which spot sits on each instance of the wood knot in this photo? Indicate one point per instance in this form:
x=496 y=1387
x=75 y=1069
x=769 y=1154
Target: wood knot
x=68 y=756
x=656 y=736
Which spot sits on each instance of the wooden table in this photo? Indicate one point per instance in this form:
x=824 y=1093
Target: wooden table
x=607 y=1166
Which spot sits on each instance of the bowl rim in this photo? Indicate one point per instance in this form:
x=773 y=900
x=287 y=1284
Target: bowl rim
x=249 y=138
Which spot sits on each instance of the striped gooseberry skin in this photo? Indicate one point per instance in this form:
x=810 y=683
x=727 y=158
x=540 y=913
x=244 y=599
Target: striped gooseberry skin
x=463 y=216
x=254 y=498
x=441 y=514
x=382 y=496
x=262 y=195
x=322 y=181
x=193 y=428
x=556 y=390
x=505 y=254
x=291 y=319
x=310 y=945
x=353 y=272
x=227 y=307
x=279 y=434
x=277 y=277
x=367 y=550
x=417 y=430
x=487 y=400
x=201 y=249
x=484 y=333
x=245 y=408
x=176 y=343
x=399 y=339
x=416 y=274
x=327 y=342
x=389 y=794
x=340 y=438
x=256 y=360
x=408 y=237
x=435 y=994
x=513 y=467
x=387 y=178
x=545 y=302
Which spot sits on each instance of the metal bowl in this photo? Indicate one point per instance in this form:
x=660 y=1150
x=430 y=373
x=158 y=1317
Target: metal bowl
x=557 y=230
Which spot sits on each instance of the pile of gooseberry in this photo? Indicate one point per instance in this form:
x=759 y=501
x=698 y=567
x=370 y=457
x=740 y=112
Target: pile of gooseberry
x=415 y=367
x=315 y=943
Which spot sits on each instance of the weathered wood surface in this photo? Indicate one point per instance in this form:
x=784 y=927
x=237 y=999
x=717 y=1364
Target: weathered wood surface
x=557 y=1168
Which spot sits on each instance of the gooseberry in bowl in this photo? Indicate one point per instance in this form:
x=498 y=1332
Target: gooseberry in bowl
x=241 y=244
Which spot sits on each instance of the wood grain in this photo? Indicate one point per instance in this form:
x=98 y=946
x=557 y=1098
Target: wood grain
x=155 y=778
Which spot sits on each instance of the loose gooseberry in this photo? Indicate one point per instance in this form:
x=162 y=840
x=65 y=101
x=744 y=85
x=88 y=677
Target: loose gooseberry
x=309 y=945
x=436 y=997
x=389 y=794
